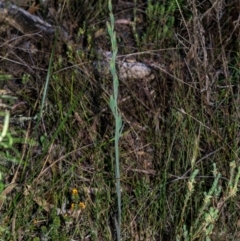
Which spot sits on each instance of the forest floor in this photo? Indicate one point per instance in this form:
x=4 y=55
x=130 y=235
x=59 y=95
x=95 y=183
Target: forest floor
x=179 y=143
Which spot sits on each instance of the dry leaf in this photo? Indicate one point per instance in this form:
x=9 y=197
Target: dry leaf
x=33 y=8
x=5 y=192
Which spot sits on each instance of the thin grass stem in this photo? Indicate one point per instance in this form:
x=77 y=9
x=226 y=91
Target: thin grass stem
x=117 y=117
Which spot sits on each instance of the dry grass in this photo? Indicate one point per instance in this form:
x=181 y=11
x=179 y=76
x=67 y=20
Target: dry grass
x=185 y=119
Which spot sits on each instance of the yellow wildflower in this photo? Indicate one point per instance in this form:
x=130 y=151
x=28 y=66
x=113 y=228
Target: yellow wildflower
x=74 y=191
x=72 y=206
x=82 y=205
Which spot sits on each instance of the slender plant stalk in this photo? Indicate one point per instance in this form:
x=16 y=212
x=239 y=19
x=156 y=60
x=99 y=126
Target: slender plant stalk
x=117 y=117
x=47 y=81
x=5 y=127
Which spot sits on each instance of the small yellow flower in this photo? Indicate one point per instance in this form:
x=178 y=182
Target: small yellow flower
x=72 y=206
x=74 y=191
x=82 y=205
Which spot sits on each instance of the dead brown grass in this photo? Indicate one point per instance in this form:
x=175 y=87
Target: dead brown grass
x=189 y=110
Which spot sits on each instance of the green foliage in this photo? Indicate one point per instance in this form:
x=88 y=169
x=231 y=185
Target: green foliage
x=170 y=188
x=160 y=19
x=5 y=77
x=207 y=215
x=8 y=153
x=26 y=78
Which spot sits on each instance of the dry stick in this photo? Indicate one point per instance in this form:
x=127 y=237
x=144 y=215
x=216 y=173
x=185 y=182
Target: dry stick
x=47 y=159
x=23 y=20
x=207 y=127
x=201 y=159
x=59 y=159
x=172 y=76
x=182 y=17
x=23 y=154
x=223 y=55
